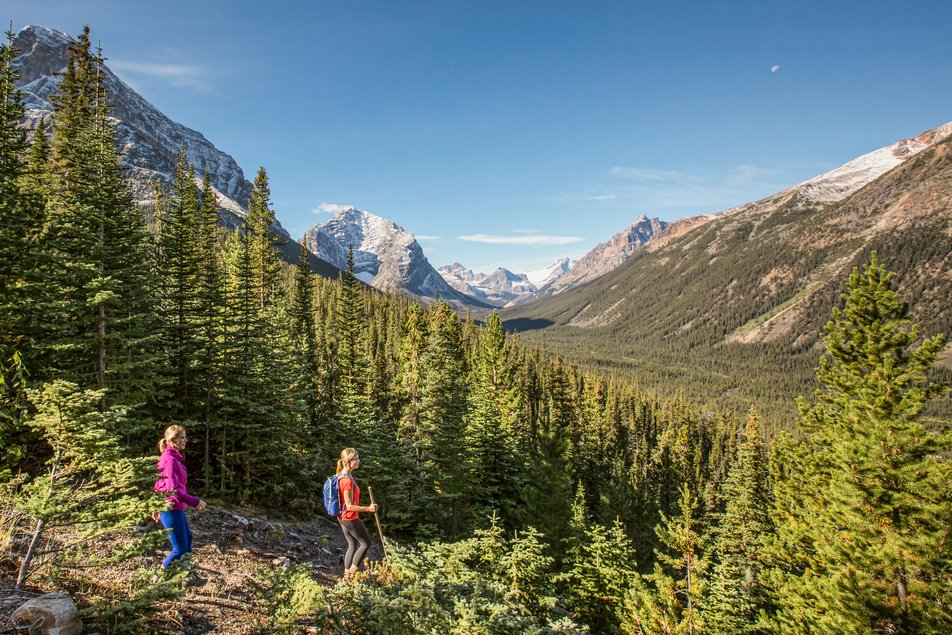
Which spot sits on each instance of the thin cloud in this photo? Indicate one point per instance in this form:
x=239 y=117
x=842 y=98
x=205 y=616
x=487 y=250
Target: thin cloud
x=427 y=237
x=679 y=190
x=178 y=75
x=330 y=208
x=530 y=240
x=645 y=174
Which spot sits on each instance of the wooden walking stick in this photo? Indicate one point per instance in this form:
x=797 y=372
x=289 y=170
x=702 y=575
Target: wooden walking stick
x=383 y=545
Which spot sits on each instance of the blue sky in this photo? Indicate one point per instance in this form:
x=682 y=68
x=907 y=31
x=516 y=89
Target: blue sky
x=513 y=133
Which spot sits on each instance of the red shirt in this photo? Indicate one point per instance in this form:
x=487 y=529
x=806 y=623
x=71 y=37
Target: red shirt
x=346 y=482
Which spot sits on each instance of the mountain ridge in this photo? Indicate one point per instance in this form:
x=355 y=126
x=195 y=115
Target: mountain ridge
x=745 y=294
x=149 y=140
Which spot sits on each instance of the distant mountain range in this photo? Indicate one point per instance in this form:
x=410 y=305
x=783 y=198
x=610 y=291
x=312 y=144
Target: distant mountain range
x=570 y=295
x=730 y=306
x=499 y=288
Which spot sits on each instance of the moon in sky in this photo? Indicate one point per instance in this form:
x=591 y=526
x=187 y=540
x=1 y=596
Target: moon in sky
x=775 y=68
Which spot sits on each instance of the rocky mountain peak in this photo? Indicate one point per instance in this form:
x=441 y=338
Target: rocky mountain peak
x=385 y=255
x=149 y=140
x=607 y=255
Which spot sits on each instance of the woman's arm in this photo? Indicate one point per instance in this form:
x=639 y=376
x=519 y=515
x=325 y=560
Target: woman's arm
x=350 y=507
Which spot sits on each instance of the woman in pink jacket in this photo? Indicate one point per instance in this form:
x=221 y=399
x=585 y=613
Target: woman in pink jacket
x=172 y=479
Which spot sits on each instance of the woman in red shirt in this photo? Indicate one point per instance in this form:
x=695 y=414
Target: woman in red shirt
x=355 y=533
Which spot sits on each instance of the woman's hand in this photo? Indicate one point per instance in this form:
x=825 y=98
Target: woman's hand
x=201 y=505
x=372 y=508
x=155 y=517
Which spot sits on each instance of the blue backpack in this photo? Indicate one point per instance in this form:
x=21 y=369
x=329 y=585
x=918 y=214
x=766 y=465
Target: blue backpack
x=332 y=494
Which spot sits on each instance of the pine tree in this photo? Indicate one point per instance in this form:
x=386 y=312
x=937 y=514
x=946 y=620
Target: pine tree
x=180 y=267
x=738 y=601
x=89 y=486
x=101 y=329
x=672 y=605
x=877 y=554
x=491 y=416
x=442 y=417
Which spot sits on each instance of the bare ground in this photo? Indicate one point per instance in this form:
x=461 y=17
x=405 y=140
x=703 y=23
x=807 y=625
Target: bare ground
x=230 y=550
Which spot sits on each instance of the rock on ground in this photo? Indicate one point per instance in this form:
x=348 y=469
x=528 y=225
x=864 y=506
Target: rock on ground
x=54 y=613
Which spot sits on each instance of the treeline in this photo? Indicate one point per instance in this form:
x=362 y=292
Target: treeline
x=629 y=512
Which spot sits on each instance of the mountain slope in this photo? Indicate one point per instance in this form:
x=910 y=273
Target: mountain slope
x=385 y=256
x=606 y=256
x=149 y=140
x=732 y=309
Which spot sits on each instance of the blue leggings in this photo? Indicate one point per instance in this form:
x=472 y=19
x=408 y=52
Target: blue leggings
x=180 y=536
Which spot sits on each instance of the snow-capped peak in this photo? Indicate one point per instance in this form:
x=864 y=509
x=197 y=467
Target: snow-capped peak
x=839 y=183
x=385 y=255
x=542 y=277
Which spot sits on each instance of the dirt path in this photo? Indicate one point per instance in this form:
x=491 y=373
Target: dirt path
x=230 y=549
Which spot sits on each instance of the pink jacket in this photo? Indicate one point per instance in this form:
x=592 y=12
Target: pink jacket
x=172 y=478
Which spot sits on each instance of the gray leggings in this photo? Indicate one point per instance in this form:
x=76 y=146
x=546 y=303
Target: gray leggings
x=356 y=534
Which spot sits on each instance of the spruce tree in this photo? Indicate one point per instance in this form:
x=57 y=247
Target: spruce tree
x=878 y=552
x=738 y=600
x=15 y=238
x=258 y=224
x=352 y=408
x=601 y=570
x=211 y=300
x=308 y=372
x=495 y=463
x=90 y=488
x=100 y=327
x=442 y=417
x=549 y=494
x=668 y=600
x=179 y=264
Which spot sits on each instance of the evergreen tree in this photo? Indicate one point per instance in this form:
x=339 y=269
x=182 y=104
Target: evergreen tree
x=601 y=570
x=180 y=266
x=738 y=601
x=491 y=416
x=549 y=495
x=16 y=236
x=101 y=331
x=352 y=405
x=878 y=553
x=442 y=417
x=672 y=605
x=258 y=224
x=308 y=372
x=89 y=487
x=211 y=307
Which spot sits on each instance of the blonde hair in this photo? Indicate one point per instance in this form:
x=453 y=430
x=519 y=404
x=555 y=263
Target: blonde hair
x=170 y=433
x=346 y=455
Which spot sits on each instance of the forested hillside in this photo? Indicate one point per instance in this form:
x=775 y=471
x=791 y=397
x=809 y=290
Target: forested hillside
x=731 y=311
x=523 y=493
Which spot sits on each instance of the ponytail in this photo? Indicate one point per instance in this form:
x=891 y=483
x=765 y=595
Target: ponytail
x=170 y=433
x=346 y=455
